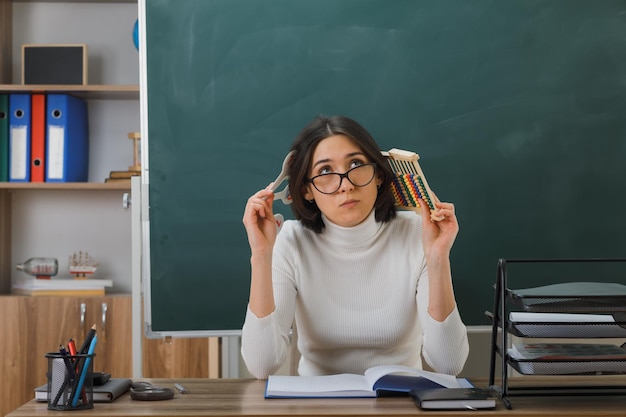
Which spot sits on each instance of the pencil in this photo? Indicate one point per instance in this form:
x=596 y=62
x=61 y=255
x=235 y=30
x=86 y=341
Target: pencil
x=85 y=346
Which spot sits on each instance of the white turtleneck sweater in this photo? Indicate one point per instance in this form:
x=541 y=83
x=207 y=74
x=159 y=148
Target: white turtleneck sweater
x=359 y=296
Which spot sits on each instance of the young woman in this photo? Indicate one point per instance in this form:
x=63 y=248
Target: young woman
x=366 y=285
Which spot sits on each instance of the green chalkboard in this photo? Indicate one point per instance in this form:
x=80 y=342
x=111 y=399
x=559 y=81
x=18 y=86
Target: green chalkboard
x=516 y=107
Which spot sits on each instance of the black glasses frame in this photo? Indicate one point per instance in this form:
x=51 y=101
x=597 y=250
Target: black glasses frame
x=345 y=175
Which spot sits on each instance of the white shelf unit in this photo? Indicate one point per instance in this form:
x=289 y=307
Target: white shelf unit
x=59 y=219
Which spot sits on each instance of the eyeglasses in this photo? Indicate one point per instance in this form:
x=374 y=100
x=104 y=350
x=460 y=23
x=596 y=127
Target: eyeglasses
x=330 y=183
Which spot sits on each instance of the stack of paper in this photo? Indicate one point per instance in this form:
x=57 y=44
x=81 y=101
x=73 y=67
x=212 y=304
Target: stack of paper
x=46 y=287
x=568 y=358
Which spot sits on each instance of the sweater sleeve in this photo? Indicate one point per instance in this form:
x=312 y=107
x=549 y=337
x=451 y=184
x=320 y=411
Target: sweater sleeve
x=445 y=346
x=263 y=344
x=265 y=341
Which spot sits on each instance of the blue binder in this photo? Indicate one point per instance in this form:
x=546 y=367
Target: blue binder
x=4 y=137
x=67 y=139
x=19 y=137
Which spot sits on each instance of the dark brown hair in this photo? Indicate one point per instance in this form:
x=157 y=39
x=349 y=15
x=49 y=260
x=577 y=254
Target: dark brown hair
x=304 y=145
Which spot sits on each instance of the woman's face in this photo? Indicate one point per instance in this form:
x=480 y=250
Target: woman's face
x=349 y=205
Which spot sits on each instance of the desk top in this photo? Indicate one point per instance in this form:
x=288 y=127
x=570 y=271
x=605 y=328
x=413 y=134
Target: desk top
x=244 y=397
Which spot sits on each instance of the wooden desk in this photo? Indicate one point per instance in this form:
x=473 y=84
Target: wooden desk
x=244 y=397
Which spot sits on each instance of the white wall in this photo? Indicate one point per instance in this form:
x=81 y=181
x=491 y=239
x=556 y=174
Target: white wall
x=59 y=223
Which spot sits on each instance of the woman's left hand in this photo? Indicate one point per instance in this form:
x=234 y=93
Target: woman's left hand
x=438 y=236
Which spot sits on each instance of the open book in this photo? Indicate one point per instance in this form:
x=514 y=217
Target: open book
x=377 y=381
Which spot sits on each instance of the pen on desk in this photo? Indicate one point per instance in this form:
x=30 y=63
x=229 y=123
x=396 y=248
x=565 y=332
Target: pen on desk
x=180 y=388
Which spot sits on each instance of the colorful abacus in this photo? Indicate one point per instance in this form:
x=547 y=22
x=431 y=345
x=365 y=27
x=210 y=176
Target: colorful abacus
x=409 y=182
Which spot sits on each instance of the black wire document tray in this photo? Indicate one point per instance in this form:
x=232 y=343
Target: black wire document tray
x=572 y=297
x=570 y=310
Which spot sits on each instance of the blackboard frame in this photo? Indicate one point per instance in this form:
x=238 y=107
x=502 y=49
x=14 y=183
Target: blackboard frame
x=518 y=123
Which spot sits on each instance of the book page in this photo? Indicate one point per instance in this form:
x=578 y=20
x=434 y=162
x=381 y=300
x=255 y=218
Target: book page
x=313 y=384
x=376 y=372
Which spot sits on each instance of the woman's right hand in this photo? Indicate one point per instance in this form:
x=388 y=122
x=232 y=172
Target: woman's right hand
x=259 y=221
